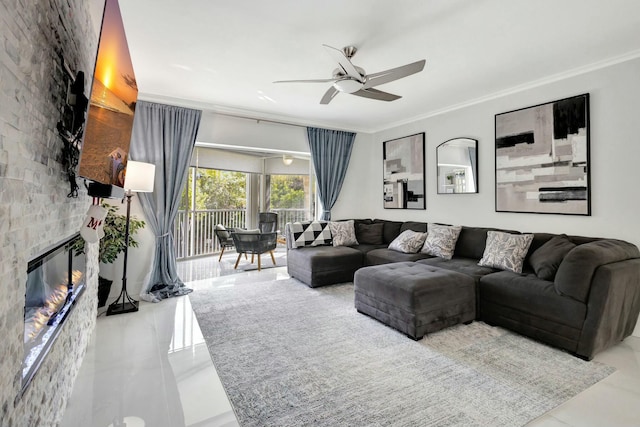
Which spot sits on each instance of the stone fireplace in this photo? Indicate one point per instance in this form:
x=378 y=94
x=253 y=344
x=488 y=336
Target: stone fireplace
x=55 y=281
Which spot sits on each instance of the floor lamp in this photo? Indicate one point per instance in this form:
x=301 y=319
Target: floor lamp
x=138 y=179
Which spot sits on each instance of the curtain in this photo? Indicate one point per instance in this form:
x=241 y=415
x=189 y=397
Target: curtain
x=163 y=135
x=330 y=153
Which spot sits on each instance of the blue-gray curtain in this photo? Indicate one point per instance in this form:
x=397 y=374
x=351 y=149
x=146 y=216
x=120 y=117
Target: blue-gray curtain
x=330 y=153
x=164 y=135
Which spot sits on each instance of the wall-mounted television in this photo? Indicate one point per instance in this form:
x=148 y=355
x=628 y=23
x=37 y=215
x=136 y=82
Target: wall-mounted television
x=114 y=92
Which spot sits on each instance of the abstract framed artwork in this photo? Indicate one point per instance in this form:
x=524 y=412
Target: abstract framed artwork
x=542 y=158
x=404 y=174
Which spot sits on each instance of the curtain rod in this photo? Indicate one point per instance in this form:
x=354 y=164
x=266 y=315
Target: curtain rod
x=274 y=121
x=257 y=120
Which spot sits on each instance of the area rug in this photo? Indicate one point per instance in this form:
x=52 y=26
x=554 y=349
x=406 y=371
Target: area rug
x=289 y=355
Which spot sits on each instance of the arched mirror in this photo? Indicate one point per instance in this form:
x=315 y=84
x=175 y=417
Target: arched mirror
x=457 y=166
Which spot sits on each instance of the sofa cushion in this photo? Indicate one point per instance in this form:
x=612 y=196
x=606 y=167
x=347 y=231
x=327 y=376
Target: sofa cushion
x=390 y=231
x=467 y=266
x=343 y=233
x=471 y=242
x=408 y=241
x=547 y=258
x=310 y=233
x=324 y=265
x=414 y=226
x=533 y=296
x=386 y=256
x=370 y=234
x=364 y=248
x=506 y=251
x=441 y=240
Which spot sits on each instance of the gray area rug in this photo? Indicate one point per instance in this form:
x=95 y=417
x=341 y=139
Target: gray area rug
x=289 y=355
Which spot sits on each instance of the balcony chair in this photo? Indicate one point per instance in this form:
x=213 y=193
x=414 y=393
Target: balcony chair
x=268 y=222
x=255 y=243
x=224 y=238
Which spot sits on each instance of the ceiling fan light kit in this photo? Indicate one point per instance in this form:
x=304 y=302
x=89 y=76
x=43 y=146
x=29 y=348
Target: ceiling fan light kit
x=353 y=80
x=348 y=85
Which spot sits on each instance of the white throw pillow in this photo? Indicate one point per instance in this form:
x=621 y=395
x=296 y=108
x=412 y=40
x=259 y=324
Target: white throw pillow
x=506 y=251
x=441 y=240
x=343 y=233
x=408 y=241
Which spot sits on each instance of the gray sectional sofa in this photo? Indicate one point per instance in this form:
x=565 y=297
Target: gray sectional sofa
x=591 y=301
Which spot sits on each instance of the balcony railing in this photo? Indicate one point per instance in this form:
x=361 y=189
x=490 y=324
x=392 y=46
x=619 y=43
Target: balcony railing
x=194 y=235
x=290 y=215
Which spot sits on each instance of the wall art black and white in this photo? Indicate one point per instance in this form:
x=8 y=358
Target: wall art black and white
x=404 y=176
x=542 y=158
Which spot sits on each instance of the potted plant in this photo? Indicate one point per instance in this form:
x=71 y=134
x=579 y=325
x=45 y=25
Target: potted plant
x=450 y=178
x=111 y=245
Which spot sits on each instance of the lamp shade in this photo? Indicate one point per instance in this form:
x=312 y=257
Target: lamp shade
x=139 y=177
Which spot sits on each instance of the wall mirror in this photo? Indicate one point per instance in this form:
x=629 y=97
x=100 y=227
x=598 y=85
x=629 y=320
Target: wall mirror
x=457 y=166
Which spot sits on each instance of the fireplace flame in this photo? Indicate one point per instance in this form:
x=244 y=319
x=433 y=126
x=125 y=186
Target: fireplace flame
x=51 y=307
x=76 y=277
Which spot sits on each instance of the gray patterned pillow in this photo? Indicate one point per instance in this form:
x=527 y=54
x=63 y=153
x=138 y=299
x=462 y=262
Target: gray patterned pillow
x=506 y=251
x=441 y=240
x=408 y=241
x=343 y=233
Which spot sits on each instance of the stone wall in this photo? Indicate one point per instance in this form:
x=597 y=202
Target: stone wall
x=35 y=38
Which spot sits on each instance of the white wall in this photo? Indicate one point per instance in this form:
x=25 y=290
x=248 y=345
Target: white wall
x=615 y=152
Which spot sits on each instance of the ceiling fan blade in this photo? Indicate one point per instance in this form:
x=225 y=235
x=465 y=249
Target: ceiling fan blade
x=306 y=81
x=329 y=95
x=387 y=76
x=344 y=62
x=376 y=94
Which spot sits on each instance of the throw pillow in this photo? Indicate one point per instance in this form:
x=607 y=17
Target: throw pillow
x=370 y=234
x=547 y=258
x=314 y=233
x=506 y=251
x=343 y=233
x=408 y=241
x=441 y=240
x=223 y=232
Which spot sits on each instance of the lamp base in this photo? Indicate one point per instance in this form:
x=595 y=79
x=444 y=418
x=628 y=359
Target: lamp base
x=122 y=307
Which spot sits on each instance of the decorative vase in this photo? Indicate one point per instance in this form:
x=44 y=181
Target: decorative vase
x=104 y=288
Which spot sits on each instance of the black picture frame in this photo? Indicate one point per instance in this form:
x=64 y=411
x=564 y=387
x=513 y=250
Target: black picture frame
x=404 y=173
x=542 y=158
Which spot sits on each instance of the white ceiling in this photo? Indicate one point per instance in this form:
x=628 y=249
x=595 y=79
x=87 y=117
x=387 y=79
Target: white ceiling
x=224 y=55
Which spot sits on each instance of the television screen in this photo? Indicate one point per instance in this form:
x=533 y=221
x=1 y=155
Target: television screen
x=105 y=148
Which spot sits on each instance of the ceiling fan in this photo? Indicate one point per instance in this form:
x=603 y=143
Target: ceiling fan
x=349 y=78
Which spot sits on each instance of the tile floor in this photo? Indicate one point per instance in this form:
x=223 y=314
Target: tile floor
x=152 y=368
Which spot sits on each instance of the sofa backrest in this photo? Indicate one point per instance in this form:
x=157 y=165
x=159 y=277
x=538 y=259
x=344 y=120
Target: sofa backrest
x=391 y=229
x=472 y=241
x=420 y=227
